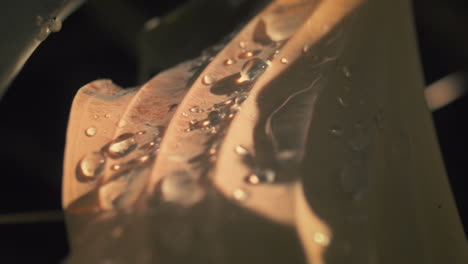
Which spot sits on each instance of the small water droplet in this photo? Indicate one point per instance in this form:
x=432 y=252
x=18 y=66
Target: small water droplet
x=122 y=145
x=193 y=121
x=240 y=194
x=284 y=61
x=144 y=158
x=185 y=114
x=91 y=165
x=336 y=131
x=321 y=239
x=306 y=48
x=229 y=62
x=262 y=176
x=252 y=69
x=253 y=179
x=242 y=45
x=95 y=116
x=246 y=54
x=231 y=115
x=90 y=131
x=346 y=72
x=241 y=150
x=43 y=33
x=208 y=79
x=206 y=123
x=115 y=167
x=107 y=115
x=212 y=151
x=341 y=101
x=139 y=133
x=241 y=98
x=195 y=109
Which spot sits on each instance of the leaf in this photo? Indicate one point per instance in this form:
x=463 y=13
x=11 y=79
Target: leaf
x=306 y=139
x=24 y=24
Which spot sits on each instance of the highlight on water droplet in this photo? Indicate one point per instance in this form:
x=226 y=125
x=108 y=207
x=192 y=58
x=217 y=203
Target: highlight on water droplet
x=240 y=194
x=195 y=109
x=122 y=123
x=246 y=54
x=321 y=239
x=208 y=79
x=252 y=69
x=346 y=72
x=115 y=167
x=241 y=150
x=306 y=48
x=107 y=115
x=96 y=116
x=229 y=62
x=91 y=165
x=91 y=131
x=262 y=176
x=242 y=45
x=122 y=145
x=284 y=61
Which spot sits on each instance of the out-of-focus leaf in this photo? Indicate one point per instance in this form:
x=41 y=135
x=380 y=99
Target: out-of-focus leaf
x=24 y=24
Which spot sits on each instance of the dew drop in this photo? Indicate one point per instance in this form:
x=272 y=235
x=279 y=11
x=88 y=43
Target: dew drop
x=107 y=115
x=212 y=151
x=208 y=79
x=253 y=179
x=306 y=48
x=44 y=31
x=241 y=98
x=246 y=54
x=139 y=133
x=185 y=114
x=262 y=176
x=90 y=131
x=241 y=150
x=95 y=116
x=321 y=239
x=252 y=69
x=240 y=194
x=122 y=145
x=242 y=45
x=346 y=72
x=115 y=167
x=284 y=61
x=336 y=131
x=195 y=109
x=91 y=165
x=229 y=62
x=206 y=123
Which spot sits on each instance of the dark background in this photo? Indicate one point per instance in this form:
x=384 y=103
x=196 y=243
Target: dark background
x=99 y=41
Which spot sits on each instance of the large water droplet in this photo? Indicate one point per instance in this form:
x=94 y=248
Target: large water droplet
x=90 y=131
x=208 y=79
x=91 y=165
x=122 y=145
x=252 y=69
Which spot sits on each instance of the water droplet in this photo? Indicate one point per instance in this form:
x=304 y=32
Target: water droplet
x=246 y=54
x=212 y=151
x=284 y=61
x=139 y=133
x=241 y=150
x=306 y=48
x=336 y=131
x=115 y=167
x=321 y=239
x=95 y=116
x=55 y=24
x=195 y=109
x=240 y=194
x=241 y=98
x=252 y=69
x=185 y=114
x=91 y=165
x=229 y=62
x=215 y=116
x=144 y=158
x=90 y=131
x=262 y=176
x=346 y=72
x=231 y=115
x=242 y=45
x=208 y=79
x=107 y=115
x=206 y=123
x=193 y=122
x=44 y=31
x=122 y=145
x=341 y=101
